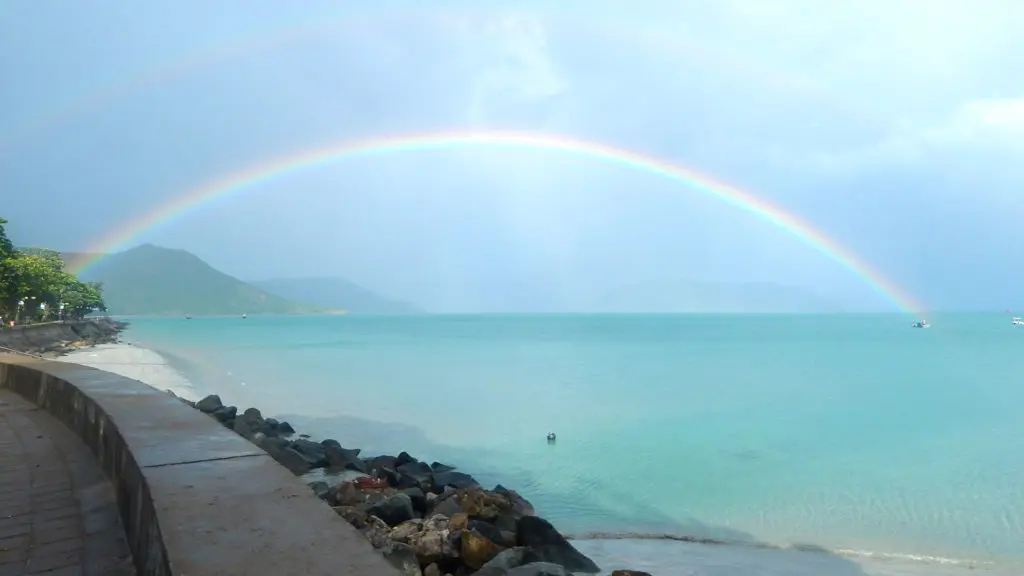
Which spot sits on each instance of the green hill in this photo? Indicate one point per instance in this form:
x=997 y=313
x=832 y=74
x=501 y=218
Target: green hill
x=153 y=281
x=336 y=293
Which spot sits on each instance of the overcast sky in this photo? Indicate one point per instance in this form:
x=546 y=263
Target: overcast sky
x=896 y=127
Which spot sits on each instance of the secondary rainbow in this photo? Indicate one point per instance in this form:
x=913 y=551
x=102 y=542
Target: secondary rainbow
x=281 y=167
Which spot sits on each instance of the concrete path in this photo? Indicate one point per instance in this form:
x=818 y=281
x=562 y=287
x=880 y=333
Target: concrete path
x=58 y=515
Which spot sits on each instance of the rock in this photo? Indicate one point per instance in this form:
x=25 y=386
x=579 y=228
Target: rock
x=509 y=559
x=438 y=467
x=415 y=468
x=291 y=460
x=630 y=573
x=453 y=479
x=403 y=557
x=489 y=531
x=209 y=404
x=505 y=522
x=270 y=444
x=314 y=452
x=432 y=570
x=389 y=475
x=394 y=510
x=459 y=521
x=285 y=428
x=403 y=458
x=225 y=413
x=419 y=500
x=242 y=428
x=476 y=549
x=434 y=543
x=378 y=462
x=403 y=531
x=321 y=489
x=446 y=507
x=479 y=503
x=520 y=506
x=377 y=532
x=345 y=494
x=354 y=516
x=415 y=475
x=341 y=459
x=272 y=422
x=537 y=533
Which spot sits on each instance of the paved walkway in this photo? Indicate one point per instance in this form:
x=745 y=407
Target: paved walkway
x=58 y=515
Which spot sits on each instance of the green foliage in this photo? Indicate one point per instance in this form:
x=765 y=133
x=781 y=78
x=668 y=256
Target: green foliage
x=36 y=277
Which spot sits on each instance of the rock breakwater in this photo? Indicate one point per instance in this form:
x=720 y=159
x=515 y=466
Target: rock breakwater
x=427 y=519
x=58 y=338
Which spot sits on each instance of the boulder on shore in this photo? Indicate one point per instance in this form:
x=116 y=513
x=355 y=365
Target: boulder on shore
x=426 y=519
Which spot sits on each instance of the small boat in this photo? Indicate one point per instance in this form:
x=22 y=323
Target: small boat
x=188 y=316
x=1016 y=321
x=551 y=437
x=244 y=316
x=921 y=324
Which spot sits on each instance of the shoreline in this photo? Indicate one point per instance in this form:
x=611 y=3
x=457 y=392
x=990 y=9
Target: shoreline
x=153 y=369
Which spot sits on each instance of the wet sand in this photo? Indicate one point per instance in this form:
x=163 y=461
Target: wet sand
x=136 y=363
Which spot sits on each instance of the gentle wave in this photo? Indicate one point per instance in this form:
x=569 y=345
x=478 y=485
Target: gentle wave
x=808 y=548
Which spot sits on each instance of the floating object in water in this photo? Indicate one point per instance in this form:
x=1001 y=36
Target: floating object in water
x=920 y=324
x=188 y=316
x=244 y=316
x=551 y=437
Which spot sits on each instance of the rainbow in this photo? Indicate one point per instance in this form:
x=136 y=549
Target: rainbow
x=283 y=166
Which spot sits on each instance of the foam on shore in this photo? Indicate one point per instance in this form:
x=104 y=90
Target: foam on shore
x=136 y=363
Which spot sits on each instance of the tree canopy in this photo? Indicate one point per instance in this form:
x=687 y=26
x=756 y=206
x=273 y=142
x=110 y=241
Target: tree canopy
x=38 y=279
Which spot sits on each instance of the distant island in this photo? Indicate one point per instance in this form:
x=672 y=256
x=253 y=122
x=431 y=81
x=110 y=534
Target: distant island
x=153 y=281
x=336 y=293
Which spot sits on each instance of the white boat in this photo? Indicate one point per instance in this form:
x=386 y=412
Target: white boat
x=1016 y=321
x=921 y=324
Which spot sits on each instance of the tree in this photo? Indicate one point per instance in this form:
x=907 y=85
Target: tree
x=6 y=268
x=81 y=298
x=37 y=276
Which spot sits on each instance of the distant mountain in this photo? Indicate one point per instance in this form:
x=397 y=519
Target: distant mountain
x=674 y=295
x=336 y=293
x=154 y=281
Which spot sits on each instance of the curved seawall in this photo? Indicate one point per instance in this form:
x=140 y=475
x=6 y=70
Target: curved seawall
x=194 y=498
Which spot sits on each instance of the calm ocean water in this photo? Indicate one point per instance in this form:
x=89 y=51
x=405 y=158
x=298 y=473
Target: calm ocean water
x=852 y=433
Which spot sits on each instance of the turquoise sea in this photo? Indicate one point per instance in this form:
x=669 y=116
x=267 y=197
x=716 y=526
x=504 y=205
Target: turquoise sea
x=850 y=433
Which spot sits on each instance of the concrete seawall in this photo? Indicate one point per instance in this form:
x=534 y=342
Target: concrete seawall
x=194 y=498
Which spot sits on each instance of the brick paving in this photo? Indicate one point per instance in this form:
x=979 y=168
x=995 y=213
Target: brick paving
x=58 y=515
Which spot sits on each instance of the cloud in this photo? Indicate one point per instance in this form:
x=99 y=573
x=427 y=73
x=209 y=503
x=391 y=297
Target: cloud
x=514 y=67
x=977 y=129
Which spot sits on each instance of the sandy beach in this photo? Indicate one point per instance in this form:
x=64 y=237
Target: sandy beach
x=136 y=363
